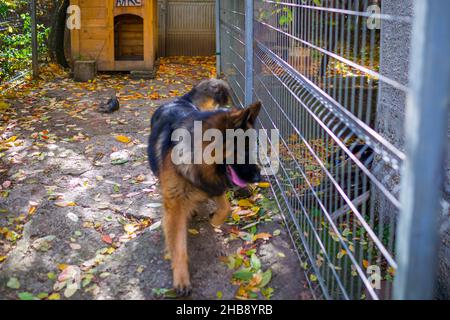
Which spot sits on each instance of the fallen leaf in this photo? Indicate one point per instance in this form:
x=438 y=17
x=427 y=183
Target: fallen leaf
x=130 y=228
x=365 y=263
x=123 y=139
x=86 y=280
x=243 y=275
x=26 y=296
x=71 y=289
x=245 y=203
x=11 y=139
x=72 y=216
x=65 y=204
x=264 y=184
x=267 y=292
x=140 y=269
x=13 y=283
x=62 y=266
x=266 y=277
x=42 y=295
x=31 y=210
x=54 y=296
x=255 y=262
x=6 y=184
x=75 y=246
x=106 y=238
x=193 y=231
x=262 y=235
x=43 y=244
x=163 y=292
x=51 y=275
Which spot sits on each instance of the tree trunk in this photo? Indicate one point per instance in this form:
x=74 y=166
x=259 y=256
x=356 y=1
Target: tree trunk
x=57 y=33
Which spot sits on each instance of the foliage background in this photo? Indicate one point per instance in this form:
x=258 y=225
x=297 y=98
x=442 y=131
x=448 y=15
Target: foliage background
x=15 y=35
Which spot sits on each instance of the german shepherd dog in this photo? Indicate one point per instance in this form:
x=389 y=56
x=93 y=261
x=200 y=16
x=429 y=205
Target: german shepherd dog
x=186 y=186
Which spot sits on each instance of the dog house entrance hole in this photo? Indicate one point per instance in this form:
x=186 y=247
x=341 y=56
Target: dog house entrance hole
x=128 y=37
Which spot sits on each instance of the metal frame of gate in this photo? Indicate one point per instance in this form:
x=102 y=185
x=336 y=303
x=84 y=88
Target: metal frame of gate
x=186 y=27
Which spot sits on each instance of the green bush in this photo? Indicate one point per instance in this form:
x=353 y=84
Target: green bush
x=15 y=45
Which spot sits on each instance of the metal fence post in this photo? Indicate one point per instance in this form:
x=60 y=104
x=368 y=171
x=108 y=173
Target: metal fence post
x=34 y=40
x=248 y=52
x=218 y=49
x=426 y=141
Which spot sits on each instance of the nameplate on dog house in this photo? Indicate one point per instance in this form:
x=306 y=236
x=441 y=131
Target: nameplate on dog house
x=128 y=3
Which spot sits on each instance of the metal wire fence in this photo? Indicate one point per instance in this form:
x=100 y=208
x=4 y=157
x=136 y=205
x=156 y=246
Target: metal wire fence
x=318 y=68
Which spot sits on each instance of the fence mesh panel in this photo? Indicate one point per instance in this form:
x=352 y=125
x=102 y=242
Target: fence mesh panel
x=319 y=71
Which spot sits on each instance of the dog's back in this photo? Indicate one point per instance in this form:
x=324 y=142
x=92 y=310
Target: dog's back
x=205 y=96
x=164 y=121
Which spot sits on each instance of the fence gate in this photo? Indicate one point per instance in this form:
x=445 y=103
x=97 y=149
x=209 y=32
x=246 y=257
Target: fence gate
x=186 y=27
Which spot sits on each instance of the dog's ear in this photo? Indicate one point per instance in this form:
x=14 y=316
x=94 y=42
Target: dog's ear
x=253 y=112
x=246 y=117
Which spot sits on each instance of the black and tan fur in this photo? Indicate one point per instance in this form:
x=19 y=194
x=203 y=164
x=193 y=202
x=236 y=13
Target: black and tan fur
x=185 y=187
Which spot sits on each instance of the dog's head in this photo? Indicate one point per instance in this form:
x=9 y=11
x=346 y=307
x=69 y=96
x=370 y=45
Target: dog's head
x=243 y=169
x=212 y=93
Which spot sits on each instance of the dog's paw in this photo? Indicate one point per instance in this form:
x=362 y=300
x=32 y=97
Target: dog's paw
x=181 y=283
x=216 y=221
x=183 y=290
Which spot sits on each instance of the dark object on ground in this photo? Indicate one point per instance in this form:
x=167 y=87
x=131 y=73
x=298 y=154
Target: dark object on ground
x=242 y=193
x=110 y=106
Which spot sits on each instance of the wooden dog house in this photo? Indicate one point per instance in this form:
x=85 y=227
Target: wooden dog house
x=120 y=35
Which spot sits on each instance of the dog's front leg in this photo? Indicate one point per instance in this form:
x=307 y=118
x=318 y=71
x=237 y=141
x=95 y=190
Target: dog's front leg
x=222 y=212
x=175 y=231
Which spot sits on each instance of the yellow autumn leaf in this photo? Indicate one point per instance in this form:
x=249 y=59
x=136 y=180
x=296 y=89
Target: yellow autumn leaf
x=11 y=139
x=391 y=271
x=65 y=204
x=130 y=228
x=54 y=296
x=262 y=235
x=123 y=139
x=264 y=185
x=110 y=250
x=2 y=258
x=3 y=105
x=193 y=231
x=31 y=210
x=365 y=263
x=245 y=203
x=62 y=266
x=256 y=209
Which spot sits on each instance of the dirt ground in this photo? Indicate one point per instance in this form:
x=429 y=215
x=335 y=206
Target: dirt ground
x=76 y=225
